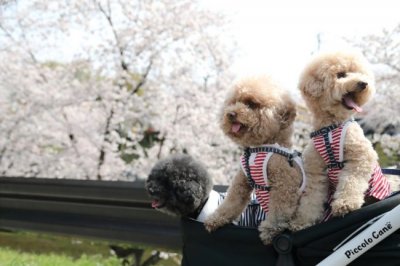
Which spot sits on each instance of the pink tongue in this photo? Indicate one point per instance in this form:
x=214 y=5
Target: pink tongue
x=154 y=204
x=236 y=127
x=351 y=104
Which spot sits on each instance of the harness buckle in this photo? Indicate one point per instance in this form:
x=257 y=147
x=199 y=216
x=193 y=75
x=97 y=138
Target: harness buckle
x=290 y=160
x=339 y=165
x=296 y=153
x=323 y=130
x=291 y=157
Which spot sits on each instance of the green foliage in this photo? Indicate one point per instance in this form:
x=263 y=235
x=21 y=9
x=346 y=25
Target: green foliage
x=53 y=149
x=130 y=81
x=129 y=157
x=384 y=159
x=150 y=138
x=82 y=74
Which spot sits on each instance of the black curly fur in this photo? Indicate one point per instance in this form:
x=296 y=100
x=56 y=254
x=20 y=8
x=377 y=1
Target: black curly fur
x=180 y=184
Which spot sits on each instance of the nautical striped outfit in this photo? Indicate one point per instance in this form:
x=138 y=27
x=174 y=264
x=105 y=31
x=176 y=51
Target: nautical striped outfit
x=252 y=216
x=254 y=164
x=329 y=142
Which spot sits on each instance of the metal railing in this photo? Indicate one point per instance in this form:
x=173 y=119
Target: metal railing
x=110 y=210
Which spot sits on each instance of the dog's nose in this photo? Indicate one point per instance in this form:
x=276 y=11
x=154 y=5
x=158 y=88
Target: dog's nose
x=362 y=85
x=232 y=116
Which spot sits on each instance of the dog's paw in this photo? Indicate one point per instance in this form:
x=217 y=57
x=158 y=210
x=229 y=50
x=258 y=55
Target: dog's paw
x=300 y=222
x=268 y=231
x=266 y=238
x=297 y=225
x=212 y=223
x=340 y=207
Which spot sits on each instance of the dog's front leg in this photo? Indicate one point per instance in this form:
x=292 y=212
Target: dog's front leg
x=311 y=207
x=360 y=158
x=236 y=200
x=284 y=197
x=281 y=209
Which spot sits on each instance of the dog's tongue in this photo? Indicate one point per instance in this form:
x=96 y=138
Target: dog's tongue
x=154 y=204
x=351 y=104
x=236 y=127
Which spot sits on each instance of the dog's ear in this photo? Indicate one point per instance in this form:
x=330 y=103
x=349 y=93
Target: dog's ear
x=287 y=112
x=311 y=87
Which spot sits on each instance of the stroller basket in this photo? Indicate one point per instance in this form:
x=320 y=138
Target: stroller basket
x=233 y=245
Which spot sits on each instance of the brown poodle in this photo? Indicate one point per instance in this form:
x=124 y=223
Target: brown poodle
x=258 y=115
x=340 y=162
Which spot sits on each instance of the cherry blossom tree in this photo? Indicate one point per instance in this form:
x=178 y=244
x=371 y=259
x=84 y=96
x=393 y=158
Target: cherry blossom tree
x=381 y=120
x=103 y=89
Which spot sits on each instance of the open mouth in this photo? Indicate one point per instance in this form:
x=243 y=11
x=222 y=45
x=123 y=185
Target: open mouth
x=156 y=204
x=237 y=128
x=348 y=101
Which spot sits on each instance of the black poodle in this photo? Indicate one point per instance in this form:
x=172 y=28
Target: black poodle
x=181 y=186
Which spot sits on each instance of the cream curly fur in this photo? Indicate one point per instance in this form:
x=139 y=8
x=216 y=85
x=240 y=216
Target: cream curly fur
x=266 y=113
x=323 y=84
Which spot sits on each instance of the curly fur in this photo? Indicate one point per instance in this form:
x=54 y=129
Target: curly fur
x=324 y=84
x=178 y=185
x=264 y=114
x=323 y=91
x=265 y=111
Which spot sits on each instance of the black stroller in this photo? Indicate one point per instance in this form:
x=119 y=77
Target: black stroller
x=369 y=236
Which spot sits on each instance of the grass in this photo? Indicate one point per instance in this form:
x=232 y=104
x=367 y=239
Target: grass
x=10 y=257
x=47 y=243
x=33 y=249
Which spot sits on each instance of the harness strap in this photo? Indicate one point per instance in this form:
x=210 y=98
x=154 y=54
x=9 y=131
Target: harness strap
x=327 y=129
x=250 y=180
x=324 y=130
x=288 y=155
x=333 y=163
x=247 y=153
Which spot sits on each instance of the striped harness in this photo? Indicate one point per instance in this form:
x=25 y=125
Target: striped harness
x=254 y=164
x=329 y=142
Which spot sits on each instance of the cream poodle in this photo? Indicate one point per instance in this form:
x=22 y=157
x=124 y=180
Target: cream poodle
x=340 y=162
x=258 y=115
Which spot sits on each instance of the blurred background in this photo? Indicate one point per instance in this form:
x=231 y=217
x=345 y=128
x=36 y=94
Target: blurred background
x=103 y=89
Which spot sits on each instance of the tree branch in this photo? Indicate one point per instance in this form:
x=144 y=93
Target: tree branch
x=72 y=140
x=102 y=153
x=143 y=78
x=121 y=51
x=27 y=50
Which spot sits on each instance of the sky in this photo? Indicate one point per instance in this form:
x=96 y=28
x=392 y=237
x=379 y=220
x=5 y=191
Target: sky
x=278 y=37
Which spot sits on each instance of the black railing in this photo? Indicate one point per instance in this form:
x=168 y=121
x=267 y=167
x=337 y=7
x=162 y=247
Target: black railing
x=111 y=210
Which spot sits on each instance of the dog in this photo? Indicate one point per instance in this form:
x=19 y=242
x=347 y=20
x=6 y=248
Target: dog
x=340 y=162
x=258 y=115
x=181 y=186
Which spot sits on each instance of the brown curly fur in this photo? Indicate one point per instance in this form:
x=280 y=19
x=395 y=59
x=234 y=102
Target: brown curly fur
x=323 y=86
x=266 y=114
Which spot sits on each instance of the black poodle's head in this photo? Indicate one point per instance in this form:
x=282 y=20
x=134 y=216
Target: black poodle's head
x=178 y=185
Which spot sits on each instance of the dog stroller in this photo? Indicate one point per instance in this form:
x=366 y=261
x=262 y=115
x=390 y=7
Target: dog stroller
x=372 y=232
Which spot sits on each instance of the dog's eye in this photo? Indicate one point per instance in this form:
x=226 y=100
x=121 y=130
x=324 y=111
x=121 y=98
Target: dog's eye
x=341 y=75
x=251 y=104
